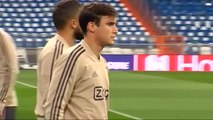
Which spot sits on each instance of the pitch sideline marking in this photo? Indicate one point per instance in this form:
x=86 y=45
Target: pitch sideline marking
x=124 y=114
x=28 y=85
x=114 y=111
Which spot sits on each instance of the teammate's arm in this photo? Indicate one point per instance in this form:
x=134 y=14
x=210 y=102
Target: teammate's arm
x=3 y=76
x=5 y=72
x=44 y=73
x=43 y=78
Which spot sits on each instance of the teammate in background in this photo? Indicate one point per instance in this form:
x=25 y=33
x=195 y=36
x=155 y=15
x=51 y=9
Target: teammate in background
x=8 y=73
x=65 y=16
x=80 y=85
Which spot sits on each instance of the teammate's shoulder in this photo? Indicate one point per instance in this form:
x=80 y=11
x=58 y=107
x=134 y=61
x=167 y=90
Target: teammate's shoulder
x=47 y=51
x=51 y=45
x=75 y=52
x=5 y=34
x=2 y=31
x=52 y=41
x=75 y=49
x=71 y=54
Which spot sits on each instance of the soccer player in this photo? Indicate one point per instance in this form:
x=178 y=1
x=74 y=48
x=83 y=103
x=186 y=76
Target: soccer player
x=80 y=85
x=65 y=16
x=8 y=74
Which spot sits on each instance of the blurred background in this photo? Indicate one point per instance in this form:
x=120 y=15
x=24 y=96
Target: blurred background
x=160 y=67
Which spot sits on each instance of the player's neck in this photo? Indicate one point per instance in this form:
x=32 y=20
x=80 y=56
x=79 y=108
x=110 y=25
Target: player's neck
x=94 y=46
x=68 y=37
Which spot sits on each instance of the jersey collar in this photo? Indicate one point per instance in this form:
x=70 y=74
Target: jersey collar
x=88 y=49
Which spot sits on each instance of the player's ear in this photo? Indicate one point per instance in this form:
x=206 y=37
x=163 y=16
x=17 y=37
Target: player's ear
x=72 y=23
x=91 y=27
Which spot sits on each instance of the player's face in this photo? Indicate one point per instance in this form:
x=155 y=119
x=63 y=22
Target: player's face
x=106 y=31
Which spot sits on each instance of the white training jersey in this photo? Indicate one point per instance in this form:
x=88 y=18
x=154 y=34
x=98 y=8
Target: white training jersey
x=8 y=69
x=80 y=86
x=49 y=54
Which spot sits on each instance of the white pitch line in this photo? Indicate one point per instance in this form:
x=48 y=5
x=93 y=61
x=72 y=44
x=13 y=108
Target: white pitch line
x=25 y=84
x=126 y=115
x=116 y=112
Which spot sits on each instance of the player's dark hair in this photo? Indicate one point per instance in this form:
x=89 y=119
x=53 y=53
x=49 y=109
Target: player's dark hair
x=93 y=12
x=63 y=11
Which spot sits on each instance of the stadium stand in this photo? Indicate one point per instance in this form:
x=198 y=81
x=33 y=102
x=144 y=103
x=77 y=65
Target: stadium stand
x=30 y=23
x=189 y=18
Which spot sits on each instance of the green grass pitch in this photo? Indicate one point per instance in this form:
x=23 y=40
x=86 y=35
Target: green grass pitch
x=141 y=95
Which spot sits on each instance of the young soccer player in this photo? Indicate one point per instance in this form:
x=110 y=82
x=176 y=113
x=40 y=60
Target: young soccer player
x=80 y=85
x=8 y=73
x=65 y=16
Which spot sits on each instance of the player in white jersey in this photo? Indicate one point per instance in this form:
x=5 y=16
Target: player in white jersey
x=65 y=16
x=8 y=73
x=80 y=85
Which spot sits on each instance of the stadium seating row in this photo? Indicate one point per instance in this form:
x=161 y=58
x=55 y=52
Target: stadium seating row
x=23 y=18
x=30 y=22
x=191 y=19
